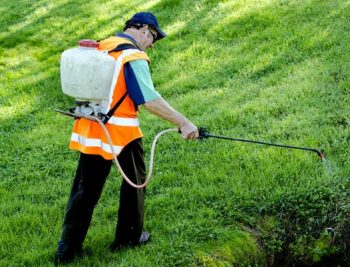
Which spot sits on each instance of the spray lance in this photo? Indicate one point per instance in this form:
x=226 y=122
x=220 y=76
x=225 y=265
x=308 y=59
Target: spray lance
x=203 y=133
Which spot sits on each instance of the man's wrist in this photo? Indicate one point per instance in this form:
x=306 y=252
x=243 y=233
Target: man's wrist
x=182 y=122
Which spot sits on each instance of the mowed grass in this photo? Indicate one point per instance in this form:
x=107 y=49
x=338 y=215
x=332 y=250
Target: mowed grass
x=271 y=70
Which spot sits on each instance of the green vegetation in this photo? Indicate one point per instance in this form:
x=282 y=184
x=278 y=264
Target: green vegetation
x=273 y=70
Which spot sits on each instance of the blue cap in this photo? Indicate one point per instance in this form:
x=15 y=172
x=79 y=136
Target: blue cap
x=149 y=19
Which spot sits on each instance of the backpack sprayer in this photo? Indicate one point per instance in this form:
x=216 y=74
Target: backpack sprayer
x=87 y=74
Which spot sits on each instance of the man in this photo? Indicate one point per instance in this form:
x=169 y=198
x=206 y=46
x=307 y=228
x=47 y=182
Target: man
x=133 y=88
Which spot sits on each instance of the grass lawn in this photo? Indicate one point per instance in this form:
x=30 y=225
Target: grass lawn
x=271 y=70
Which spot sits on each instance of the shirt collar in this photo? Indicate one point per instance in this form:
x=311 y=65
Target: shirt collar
x=126 y=36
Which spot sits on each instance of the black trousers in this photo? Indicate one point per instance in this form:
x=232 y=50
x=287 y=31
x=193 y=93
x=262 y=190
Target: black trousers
x=86 y=190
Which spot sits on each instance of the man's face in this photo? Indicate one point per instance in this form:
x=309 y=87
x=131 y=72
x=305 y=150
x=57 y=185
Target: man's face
x=147 y=36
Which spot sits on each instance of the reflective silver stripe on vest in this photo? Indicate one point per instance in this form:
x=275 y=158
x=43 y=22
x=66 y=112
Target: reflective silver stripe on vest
x=117 y=69
x=118 y=121
x=94 y=142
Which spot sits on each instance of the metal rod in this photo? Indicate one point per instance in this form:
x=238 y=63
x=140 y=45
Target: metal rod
x=205 y=134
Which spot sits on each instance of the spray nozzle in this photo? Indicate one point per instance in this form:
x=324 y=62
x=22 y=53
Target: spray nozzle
x=321 y=154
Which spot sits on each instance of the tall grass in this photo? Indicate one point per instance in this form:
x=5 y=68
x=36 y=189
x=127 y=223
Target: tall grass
x=272 y=70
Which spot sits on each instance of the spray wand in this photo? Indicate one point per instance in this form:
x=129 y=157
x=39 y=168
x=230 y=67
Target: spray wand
x=203 y=133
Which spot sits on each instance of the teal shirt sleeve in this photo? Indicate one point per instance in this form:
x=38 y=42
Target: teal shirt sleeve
x=143 y=77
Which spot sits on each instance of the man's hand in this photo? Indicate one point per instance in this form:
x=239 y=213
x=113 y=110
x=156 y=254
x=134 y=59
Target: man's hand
x=189 y=130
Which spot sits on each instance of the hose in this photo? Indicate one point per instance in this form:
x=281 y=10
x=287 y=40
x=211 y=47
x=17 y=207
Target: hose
x=115 y=159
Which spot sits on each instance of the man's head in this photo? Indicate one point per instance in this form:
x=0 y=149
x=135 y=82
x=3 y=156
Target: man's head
x=145 y=29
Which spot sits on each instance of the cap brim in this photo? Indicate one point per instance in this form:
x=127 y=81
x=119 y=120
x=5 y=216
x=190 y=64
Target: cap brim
x=160 y=33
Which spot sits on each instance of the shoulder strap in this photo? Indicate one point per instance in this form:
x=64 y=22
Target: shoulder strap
x=123 y=47
x=111 y=111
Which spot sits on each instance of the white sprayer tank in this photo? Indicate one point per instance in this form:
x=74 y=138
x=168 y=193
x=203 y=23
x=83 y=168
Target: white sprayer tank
x=86 y=72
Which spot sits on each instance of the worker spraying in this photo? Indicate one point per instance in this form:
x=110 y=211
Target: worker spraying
x=119 y=83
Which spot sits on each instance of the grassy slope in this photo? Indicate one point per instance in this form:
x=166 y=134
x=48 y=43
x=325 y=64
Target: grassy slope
x=268 y=70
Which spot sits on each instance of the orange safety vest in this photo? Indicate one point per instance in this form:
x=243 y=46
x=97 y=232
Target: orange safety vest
x=88 y=136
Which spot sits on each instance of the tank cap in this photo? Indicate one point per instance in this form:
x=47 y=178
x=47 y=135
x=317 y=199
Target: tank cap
x=89 y=43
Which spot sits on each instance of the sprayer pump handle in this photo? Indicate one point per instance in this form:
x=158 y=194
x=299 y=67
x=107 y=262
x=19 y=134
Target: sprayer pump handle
x=203 y=133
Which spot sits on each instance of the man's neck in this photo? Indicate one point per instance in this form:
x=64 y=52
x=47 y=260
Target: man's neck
x=131 y=37
x=131 y=33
